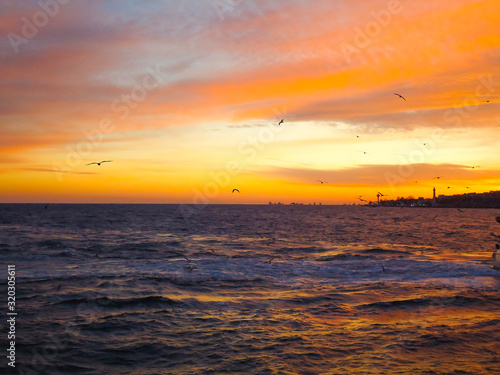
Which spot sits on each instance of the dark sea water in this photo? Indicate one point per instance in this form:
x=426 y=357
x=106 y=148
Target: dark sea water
x=155 y=289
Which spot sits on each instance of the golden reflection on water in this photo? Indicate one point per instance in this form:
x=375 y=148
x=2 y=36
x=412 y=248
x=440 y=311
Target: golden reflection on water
x=391 y=328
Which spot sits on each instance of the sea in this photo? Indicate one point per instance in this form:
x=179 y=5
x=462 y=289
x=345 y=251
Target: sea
x=249 y=289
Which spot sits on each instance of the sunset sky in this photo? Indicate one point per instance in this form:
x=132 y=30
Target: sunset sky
x=185 y=97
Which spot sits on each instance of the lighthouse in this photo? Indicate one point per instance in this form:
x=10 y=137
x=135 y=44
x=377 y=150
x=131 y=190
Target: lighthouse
x=434 y=193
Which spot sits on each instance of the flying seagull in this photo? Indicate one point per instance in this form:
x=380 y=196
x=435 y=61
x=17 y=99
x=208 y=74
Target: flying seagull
x=282 y=121
x=495 y=235
x=273 y=240
x=270 y=260
x=235 y=190
x=322 y=182
x=475 y=166
x=99 y=163
x=401 y=96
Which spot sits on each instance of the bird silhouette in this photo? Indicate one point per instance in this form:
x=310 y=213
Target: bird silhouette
x=475 y=166
x=235 y=190
x=322 y=182
x=281 y=122
x=270 y=260
x=271 y=241
x=401 y=96
x=495 y=235
x=100 y=162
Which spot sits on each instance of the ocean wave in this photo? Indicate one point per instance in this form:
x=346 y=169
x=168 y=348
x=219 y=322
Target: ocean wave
x=52 y=244
x=328 y=258
x=386 y=251
x=139 y=302
x=313 y=300
x=305 y=249
x=434 y=301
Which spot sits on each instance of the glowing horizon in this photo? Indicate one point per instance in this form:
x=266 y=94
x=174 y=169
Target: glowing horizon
x=186 y=98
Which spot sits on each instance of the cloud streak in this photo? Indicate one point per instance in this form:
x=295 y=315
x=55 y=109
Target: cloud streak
x=369 y=174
